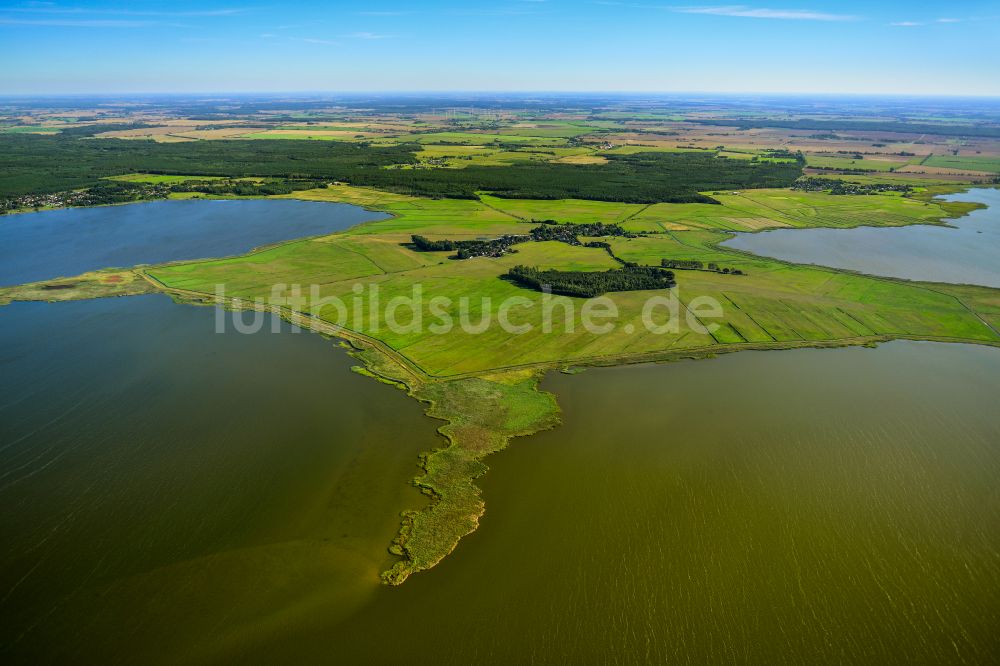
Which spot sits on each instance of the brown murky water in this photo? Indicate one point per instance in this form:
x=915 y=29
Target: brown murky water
x=171 y=494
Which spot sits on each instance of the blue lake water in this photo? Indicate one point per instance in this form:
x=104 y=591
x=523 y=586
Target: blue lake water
x=968 y=252
x=67 y=242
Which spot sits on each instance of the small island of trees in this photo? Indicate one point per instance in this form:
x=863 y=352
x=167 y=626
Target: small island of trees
x=588 y=284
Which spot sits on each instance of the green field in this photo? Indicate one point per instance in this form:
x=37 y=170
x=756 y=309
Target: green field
x=564 y=210
x=970 y=163
x=775 y=303
x=751 y=210
x=28 y=129
x=480 y=139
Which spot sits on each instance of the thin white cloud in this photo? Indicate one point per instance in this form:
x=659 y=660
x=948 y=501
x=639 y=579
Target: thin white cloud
x=743 y=11
x=86 y=23
x=915 y=24
x=365 y=35
x=494 y=12
x=121 y=12
x=315 y=40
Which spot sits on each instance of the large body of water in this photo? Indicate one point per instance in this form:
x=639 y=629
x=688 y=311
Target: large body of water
x=968 y=252
x=164 y=488
x=803 y=507
x=67 y=242
x=170 y=494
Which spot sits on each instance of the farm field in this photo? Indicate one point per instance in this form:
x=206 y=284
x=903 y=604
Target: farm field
x=484 y=138
x=970 y=163
x=774 y=303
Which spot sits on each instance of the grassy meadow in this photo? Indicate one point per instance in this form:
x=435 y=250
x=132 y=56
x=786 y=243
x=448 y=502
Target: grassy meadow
x=970 y=163
x=774 y=304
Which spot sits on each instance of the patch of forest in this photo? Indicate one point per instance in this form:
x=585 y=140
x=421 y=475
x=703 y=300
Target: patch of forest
x=547 y=231
x=41 y=164
x=588 y=284
x=38 y=164
x=637 y=178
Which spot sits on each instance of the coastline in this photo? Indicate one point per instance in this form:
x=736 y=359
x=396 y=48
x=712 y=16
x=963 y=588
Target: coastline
x=482 y=411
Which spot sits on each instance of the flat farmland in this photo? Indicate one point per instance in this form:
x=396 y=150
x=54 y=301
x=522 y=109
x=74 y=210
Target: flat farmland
x=772 y=303
x=966 y=163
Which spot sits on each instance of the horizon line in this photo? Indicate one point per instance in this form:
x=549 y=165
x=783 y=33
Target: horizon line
x=471 y=91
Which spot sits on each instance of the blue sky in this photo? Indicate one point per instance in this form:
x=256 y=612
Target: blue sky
x=227 y=46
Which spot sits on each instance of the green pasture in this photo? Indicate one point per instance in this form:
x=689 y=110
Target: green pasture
x=564 y=210
x=774 y=303
x=970 y=163
x=29 y=129
x=478 y=138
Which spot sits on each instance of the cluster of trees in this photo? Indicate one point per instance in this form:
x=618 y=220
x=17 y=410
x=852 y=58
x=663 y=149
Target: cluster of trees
x=588 y=284
x=686 y=264
x=114 y=191
x=568 y=233
x=547 y=231
x=716 y=269
x=466 y=249
x=780 y=154
x=852 y=171
x=637 y=178
x=249 y=188
x=835 y=186
x=695 y=265
x=102 y=194
x=423 y=244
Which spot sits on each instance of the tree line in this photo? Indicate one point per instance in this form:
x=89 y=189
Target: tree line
x=695 y=265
